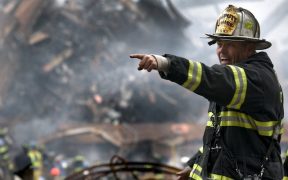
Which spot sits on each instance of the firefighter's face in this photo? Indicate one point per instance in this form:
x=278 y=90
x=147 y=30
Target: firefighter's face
x=231 y=52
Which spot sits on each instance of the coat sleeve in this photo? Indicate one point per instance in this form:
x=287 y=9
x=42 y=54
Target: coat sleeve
x=195 y=158
x=223 y=84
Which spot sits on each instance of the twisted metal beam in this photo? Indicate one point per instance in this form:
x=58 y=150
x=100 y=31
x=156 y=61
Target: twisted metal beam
x=122 y=166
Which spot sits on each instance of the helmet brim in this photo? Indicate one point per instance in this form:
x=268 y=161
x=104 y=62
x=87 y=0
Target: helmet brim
x=260 y=43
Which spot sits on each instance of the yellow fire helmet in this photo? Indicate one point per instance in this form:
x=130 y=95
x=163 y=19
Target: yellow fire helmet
x=238 y=24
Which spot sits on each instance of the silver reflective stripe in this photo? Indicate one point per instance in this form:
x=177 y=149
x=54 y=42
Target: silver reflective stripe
x=219 y=177
x=194 y=76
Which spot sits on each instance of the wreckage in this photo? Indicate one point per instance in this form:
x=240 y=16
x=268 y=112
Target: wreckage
x=66 y=51
x=65 y=64
x=119 y=168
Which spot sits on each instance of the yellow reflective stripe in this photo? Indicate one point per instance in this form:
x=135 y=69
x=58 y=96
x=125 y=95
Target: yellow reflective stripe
x=236 y=123
x=3 y=149
x=282 y=130
x=209 y=124
x=247 y=126
x=266 y=133
x=38 y=163
x=238 y=119
x=189 y=77
x=236 y=93
x=195 y=176
x=265 y=124
x=36 y=158
x=197 y=167
x=285 y=178
x=219 y=177
x=194 y=76
x=201 y=149
x=210 y=114
x=241 y=87
x=243 y=94
x=196 y=171
x=31 y=155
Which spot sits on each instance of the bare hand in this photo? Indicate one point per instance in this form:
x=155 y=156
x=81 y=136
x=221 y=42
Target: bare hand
x=184 y=174
x=147 y=61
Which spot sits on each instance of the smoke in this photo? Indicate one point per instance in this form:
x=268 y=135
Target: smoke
x=30 y=131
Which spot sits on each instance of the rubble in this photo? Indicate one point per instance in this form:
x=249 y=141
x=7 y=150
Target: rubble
x=37 y=37
x=49 y=35
x=58 y=59
x=67 y=62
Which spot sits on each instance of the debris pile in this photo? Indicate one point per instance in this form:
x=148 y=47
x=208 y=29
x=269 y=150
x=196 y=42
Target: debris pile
x=65 y=64
x=69 y=60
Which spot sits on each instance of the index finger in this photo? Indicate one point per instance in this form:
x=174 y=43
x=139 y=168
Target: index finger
x=138 y=56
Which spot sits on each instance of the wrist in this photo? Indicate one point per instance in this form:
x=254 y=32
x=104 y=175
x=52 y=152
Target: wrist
x=162 y=63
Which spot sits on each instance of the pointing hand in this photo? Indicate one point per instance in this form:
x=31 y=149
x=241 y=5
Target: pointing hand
x=147 y=61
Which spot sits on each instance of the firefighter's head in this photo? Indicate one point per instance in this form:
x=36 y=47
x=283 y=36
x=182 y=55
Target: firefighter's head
x=32 y=145
x=78 y=158
x=237 y=34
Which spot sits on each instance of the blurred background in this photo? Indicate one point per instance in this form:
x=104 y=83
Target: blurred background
x=69 y=88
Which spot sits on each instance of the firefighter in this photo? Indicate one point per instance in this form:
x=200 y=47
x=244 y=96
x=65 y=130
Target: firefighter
x=33 y=152
x=78 y=164
x=6 y=165
x=242 y=135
